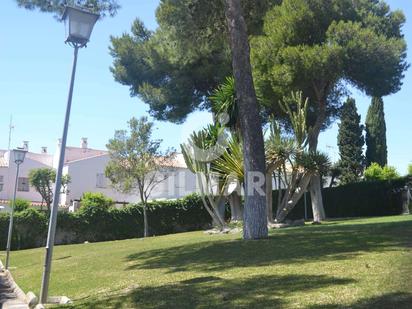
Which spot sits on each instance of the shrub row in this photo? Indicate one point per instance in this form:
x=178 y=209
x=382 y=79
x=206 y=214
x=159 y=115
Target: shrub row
x=103 y=224
x=362 y=199
x=97 y=221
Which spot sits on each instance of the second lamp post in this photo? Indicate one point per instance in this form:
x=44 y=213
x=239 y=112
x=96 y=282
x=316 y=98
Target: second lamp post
x=19 y=155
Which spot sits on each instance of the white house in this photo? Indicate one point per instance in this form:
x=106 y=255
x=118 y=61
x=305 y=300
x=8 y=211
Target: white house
x=86 y=168
x=8 y=171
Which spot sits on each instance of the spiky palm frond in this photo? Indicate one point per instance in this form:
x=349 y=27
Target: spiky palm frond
x=204 y=146
x=296 y=108
x=224 y=101
x=314 y=162
x=279 y=149
x=230 y=164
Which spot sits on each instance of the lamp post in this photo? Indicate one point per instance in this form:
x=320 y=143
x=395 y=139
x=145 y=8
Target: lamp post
x=79 y=25
x=19 y=155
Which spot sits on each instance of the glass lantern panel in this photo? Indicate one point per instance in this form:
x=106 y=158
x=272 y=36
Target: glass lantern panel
x=81 y=25
x=19 y=156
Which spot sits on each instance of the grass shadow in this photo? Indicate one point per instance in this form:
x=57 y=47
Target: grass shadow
x=212 y=292
x=296 y=245
x=386 y=301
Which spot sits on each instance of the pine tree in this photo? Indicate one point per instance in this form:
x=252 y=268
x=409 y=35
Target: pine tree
x=350 y=142
x=376 y=150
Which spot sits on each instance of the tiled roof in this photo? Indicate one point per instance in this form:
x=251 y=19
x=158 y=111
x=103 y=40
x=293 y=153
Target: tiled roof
x=179 y=161
x=76 y=153
x=46 y=159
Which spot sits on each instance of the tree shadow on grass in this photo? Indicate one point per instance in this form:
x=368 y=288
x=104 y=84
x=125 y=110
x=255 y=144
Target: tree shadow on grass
x=298 y=245
x=215 y=292
x=386 y=301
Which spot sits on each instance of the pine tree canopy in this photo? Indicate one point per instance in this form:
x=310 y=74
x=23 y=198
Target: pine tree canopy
x=321 y=46
x=308 y=45
x=103 y=7
x=175 y=68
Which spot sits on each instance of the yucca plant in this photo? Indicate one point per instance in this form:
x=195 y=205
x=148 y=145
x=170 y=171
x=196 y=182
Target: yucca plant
x=314 y=162
x=289 y=158
x=279 y=150
x=199 y=153
x=224 y=102
x=296 y=108
x=230 y=164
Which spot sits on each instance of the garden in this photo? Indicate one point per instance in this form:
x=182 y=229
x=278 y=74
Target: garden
x=357 y=263
x=274 y=223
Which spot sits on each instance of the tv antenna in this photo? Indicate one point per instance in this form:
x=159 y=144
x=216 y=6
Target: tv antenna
x=11 y=127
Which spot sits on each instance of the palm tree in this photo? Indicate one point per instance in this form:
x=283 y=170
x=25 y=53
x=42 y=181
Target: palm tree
x=289 y=157
x=199 y=153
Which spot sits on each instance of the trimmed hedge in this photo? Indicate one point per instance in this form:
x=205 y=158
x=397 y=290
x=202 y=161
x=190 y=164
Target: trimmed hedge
x=29 y=227
x=380 y=198
x=361 y=199
x=99 y=224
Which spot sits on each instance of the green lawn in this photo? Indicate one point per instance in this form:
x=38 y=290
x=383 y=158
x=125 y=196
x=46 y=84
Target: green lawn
x=362 y=263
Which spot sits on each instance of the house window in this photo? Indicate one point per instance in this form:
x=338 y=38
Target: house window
x=100 y=181
x=1 y=182
x=23 y=184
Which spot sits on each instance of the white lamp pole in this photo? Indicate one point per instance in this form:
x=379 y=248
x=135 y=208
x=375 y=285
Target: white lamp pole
x=79 y=25
x=19 y=155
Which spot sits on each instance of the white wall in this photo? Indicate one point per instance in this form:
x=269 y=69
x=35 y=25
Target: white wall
x=4 y=171
x=179 y=183
x=83 y=173
x=9 y=174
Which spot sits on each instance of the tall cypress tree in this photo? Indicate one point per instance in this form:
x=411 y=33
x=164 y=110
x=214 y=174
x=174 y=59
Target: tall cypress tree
x=350 y=142
x=376 y=150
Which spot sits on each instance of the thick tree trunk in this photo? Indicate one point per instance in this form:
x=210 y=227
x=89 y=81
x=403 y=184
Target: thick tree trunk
x=315 y=187
x=235 y=202
x=316 y=197
x=255 y=218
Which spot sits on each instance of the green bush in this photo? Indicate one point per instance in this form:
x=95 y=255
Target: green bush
x=376 y=172
x=373 y=172
x=29 y=229
x=410 y=169
x=29 y=223
x=389 y=173
x=95 y=199
x=97 y=221
x=21 y=204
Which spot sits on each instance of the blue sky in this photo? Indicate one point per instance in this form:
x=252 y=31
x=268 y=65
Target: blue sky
x=35 y=66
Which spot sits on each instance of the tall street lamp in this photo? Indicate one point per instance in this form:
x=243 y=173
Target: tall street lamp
x=19 y=155
x=79 y=25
